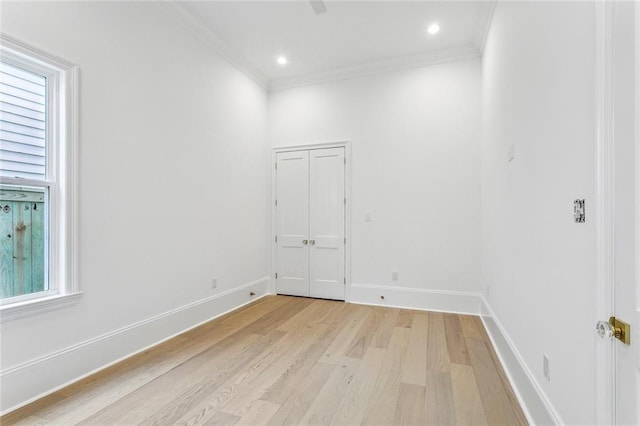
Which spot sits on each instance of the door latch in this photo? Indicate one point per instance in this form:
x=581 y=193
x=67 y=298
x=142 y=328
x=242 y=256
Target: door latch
x=615 y=328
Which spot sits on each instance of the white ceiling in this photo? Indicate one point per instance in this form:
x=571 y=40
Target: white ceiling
x=351 y=37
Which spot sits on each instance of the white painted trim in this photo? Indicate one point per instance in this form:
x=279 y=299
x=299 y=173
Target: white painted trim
x=347 y=191
x=39 y=377
x=273 y=232
x=535 y=404
x=637 y=195
x=31 y=53
x=62 y=263
x=483 y=31
x=319 y=145
x=604 y=213
x=416 y=298
x=72 y=183
x=35 y=306
x=201 y=32
x=468 y=51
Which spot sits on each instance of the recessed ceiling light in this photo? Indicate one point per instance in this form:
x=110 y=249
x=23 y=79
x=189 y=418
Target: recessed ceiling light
x=433 y=29
x=282 y=60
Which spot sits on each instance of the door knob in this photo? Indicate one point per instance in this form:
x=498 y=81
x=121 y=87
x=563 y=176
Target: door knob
x=304 y=241
x=614 y=328
x=312 y=242
x=605 y=330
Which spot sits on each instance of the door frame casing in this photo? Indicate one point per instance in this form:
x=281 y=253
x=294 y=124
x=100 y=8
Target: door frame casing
x=604 y=212
x=637 y=187
x=347 y=215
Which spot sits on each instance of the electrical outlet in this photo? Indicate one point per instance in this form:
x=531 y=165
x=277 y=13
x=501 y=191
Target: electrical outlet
x=394 y=276
x=214 y=283
x=545 y=367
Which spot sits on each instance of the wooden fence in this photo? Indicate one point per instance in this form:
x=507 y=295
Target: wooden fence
x=22 y=242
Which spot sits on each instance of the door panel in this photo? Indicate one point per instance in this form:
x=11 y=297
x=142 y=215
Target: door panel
x=292 y=189
x=327 y=223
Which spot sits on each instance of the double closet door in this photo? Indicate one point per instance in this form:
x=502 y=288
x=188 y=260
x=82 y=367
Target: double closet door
x=310 y=222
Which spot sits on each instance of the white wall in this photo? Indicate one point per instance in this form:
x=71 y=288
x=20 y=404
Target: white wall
x=538 y=266
x=173 y=184
x=415 y=138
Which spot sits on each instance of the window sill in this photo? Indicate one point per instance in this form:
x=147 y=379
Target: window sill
x=37 y=306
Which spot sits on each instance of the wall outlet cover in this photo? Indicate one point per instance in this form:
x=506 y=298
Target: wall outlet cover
x=545 y=367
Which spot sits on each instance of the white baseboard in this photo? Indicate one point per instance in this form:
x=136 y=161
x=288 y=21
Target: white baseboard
x=34 y=379
x=534 y=402
x=416 y=298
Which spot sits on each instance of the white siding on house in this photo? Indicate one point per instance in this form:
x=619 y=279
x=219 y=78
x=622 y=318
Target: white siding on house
x=22 y=123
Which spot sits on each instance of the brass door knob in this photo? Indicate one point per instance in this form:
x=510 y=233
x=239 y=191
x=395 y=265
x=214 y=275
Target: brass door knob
x=614 y=328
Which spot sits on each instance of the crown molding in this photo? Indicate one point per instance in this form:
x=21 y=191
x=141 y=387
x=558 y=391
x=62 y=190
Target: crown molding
x=466 y=51
x=184 y=18
x=483 y=30
x=176 y=11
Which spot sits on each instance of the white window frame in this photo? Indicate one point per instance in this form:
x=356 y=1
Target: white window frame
x=61 y=241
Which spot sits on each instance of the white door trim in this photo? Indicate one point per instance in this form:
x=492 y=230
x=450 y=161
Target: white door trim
x=347 y=220
x=604 y=212
x=637 y=171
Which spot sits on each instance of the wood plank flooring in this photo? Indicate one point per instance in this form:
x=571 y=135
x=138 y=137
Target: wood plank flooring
x=288 y=360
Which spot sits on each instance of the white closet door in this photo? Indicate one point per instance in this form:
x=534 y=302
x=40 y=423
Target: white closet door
x=327 y=223
x=292 y=189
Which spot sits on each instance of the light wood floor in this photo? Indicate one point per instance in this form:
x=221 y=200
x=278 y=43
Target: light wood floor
x=288 y=360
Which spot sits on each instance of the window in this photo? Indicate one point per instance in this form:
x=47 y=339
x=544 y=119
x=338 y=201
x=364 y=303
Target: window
x=37 y=181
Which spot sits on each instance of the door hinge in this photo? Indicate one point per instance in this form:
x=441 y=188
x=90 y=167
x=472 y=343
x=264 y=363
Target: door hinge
x=345 y=161
x=276 y=238
x=276 y=275
x=345 y=201
x=276 y=164
x=276 y=202
x=345 y=240
x=344 y=280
